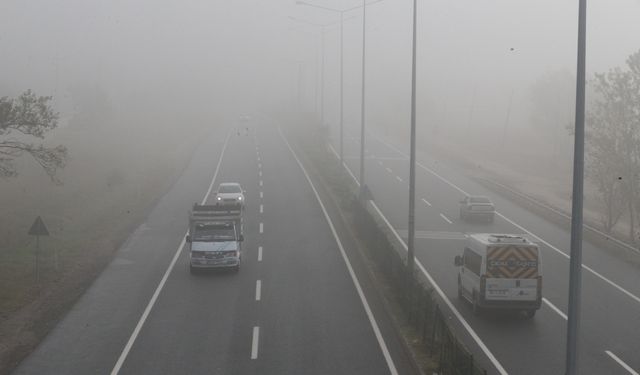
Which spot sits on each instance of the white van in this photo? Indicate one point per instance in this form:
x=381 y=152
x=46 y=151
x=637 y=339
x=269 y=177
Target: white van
x=500 y=271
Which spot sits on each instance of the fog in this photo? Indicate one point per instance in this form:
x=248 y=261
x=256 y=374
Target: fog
x=179 y=66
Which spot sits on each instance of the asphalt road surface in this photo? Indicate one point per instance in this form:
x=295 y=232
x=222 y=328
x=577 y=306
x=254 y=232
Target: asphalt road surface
x=610 y=324
x=299 y=304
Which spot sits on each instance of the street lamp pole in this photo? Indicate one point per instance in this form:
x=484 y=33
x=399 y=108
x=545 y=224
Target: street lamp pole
x=575 y=262
x=362 y=104
x=412 y=155
x=341 y=88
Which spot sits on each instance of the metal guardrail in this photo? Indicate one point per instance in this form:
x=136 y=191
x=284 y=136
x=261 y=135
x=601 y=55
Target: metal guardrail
x=562 y=214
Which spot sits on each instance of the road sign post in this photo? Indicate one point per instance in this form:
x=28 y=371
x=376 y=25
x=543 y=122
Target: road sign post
x=38 y=229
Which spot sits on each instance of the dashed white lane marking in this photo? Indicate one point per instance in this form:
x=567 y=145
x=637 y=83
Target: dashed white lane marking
x=254 y=342
x=446 y=219
x=260 y=182
x=398 y=178
x=621 y=363
x=261 y=208
x=261 y=228
x=259 y=158
x=259 y=253
x=389 y=170
x=261 y=195
x=426 y=202
x=538 y=238
x=260 y=174
x=258 y=289
x=260 y=165
x=380 y=162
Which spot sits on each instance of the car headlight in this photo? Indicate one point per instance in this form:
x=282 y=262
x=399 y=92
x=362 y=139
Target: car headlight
x=219 y=198
x=239 y=198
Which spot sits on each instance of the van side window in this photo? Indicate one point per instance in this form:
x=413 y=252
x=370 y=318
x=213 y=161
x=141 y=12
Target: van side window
x=472 y=261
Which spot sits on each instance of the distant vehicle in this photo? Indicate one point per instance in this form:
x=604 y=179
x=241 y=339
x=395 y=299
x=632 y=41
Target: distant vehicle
x=477 y=207
x=230 y=194
x=215 y=237
x=500 y=271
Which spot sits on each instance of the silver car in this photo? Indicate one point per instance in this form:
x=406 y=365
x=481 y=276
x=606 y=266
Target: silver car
x=230 y=194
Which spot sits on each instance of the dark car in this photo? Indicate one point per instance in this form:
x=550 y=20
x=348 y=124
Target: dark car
x=477 y=207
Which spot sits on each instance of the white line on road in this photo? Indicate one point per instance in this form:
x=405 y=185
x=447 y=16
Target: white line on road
x=258 y=158
x=260 y=165
x=538 y=238
x=398 y=178
x=260 y=182
x=621 y=363
x=154 y=297
x=389 y=170
x=259 y=173
x=261 y=195
x=446 y=300
x=554 y=308
x=259 y=253
x=261 y=208
x=258 y=289
x=254 y=342
x=261 y=228
x=354 y=278
x=426 y=202
x=446 y=219
x=380 y=162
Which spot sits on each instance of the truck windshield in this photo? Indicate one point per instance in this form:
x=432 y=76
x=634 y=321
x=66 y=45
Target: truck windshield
x=214 y=232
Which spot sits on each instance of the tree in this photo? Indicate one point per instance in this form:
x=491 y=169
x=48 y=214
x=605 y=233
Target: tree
x=21 y=120
x=613 y=136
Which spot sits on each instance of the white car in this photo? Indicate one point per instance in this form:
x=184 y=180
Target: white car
x=230 y=194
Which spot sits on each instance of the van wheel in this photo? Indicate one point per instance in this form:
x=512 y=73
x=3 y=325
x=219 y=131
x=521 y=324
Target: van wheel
x=475 y=305
x=530 y=313
x=236 y=269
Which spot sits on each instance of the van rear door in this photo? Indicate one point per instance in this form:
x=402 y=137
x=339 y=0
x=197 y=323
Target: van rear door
x=512 y=272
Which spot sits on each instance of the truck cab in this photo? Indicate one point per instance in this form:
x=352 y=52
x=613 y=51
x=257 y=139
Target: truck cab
x=500 y=271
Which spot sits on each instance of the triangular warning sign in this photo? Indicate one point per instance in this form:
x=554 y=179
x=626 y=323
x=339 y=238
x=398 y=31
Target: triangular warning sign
x=38 y=228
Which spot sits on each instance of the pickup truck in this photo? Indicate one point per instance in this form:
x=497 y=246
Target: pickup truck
x=215 y=237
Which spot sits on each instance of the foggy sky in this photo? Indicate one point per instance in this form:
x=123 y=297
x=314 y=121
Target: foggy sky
x=203 y=52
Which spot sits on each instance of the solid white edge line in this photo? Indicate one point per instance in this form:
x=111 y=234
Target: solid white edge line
x=259 y=253
x=258 y=289
x=354 y=278
x=621 y=363
x=597 y=274
x=261 y=228
x=555 y=308
x=446 y=300
x=446 y=218
x=254 y=342
x=426 y=202
x=345 y=165
x=156 y=293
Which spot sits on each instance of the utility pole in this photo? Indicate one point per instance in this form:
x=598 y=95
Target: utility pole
x=363 y=185
x=575 y=263
x=412 y=157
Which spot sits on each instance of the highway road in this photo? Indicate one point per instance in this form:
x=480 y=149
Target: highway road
x=300 y=304
x=610 y=324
